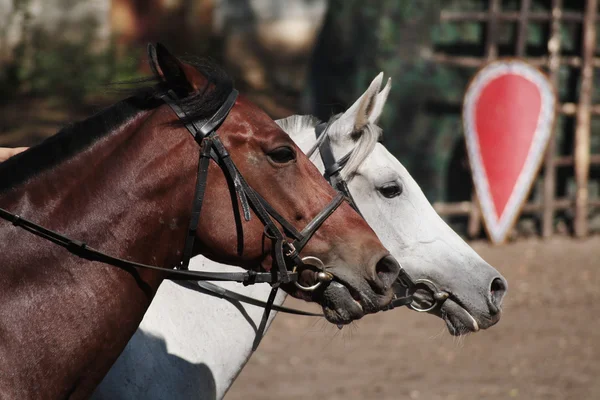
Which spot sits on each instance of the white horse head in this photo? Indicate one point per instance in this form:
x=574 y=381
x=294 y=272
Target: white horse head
x=396 y=208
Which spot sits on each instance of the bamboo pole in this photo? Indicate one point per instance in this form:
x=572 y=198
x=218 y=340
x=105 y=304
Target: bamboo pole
x=465 y=207
x=582 y=130
x=476 y=62
x=491 y=47
x=571 y=109
x=549 y=162
x=522 y=31
x=509 y=16
x=567 y=161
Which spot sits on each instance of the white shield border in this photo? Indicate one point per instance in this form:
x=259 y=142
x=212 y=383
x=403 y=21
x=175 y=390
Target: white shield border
x=498 y=228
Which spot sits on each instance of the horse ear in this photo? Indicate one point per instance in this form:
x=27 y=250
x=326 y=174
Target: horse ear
x=365 y=110
x=166 y=66
x=380 y=100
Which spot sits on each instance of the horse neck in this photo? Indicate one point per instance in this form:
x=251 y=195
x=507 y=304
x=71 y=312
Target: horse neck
x=175 y=313
x=118 y=197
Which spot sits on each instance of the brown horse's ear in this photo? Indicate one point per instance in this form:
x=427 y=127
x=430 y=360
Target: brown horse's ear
x=167 y=67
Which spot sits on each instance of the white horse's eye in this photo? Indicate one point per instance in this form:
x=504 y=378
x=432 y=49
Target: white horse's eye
x=390 y=190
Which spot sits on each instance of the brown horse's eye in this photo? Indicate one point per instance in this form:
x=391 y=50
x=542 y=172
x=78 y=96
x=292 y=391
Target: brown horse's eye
x=282 y=155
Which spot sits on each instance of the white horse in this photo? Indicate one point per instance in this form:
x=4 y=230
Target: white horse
x=190 y=345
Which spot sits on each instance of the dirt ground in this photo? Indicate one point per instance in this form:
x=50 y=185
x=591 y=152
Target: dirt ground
x=544 y=347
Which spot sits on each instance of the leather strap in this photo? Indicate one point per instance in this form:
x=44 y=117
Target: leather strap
x=82 y=250
x=201 y=177
x=212 y=124
x=317 y=221
x=217 y=291
x=333 y=168
x=260 y=332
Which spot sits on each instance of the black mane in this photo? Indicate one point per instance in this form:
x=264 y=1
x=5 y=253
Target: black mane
x=78 y=136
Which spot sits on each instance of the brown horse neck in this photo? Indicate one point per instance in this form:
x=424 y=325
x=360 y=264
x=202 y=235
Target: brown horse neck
x=128 y=195
x=127 y=185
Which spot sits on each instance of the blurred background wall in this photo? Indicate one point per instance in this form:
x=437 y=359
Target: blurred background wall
x=290 y=56
x=64 y=51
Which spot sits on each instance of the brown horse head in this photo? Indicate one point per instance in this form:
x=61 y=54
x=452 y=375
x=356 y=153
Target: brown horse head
x=123 y=181
x=274 y=166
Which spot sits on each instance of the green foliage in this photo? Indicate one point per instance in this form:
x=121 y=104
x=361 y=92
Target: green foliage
x=66 y=68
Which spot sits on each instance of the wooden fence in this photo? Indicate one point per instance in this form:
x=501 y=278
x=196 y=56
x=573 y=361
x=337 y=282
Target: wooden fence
x=583 y=110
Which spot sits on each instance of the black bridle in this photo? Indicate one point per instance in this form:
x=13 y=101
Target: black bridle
x=286 y=252
x=333 y=174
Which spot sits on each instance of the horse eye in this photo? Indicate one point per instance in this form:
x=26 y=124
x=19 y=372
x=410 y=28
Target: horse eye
x=282 y=155
x=391 y=190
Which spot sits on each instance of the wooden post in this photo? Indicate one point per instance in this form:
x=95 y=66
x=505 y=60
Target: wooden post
x=522 y=32
x=491 y=47
x=550 y=167
x=491 y=52
x=582 y=130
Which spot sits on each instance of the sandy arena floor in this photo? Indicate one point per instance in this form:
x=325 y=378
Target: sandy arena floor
x=545 y=347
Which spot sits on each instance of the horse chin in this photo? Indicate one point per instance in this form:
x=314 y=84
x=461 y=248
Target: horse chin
x=458 y=320
x=339 y=306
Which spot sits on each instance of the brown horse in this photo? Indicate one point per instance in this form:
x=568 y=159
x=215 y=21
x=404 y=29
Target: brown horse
x=123 y=181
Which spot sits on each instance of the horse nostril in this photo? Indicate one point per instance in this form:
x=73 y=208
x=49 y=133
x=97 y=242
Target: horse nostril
x=387 y=270
x=497 y=292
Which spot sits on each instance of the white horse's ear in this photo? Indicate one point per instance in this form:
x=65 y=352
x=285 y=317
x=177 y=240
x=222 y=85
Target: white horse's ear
x=380 y=102
x=365 y=110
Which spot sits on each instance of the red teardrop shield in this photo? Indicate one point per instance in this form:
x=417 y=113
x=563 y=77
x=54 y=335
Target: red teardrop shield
x=508 y=115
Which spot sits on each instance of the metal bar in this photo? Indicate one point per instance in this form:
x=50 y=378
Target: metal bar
x=549 y=162
x=582 y=130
